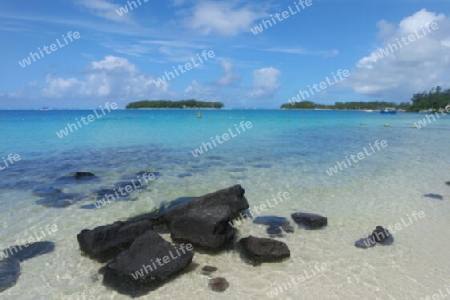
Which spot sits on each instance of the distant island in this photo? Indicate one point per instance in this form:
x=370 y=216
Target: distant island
x=191 y=103
x=433 y=100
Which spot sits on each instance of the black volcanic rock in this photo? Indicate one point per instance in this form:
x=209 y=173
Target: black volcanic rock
x=207 y=227
x=310 y=221
x=259 y=250
x=9 y=273
x=146 y=265
x=105 y=242
x=233 y=197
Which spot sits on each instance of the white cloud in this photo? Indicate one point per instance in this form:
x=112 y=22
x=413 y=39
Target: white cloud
x=229 y=78
x=301 y=51
x=265 y=83
x=418 y=66
x=103 y=9
x=223 y=18
x=113 y=77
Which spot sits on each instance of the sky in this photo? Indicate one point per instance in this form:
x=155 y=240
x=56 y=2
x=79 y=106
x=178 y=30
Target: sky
x=97 y=51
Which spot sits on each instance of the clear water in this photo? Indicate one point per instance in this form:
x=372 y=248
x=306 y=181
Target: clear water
x=284 y=151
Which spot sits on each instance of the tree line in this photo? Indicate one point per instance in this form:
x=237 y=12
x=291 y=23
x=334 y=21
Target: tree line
x=434 y=99
x=191 y=103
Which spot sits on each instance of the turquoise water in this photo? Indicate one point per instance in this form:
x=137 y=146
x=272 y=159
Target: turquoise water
x=283 y=151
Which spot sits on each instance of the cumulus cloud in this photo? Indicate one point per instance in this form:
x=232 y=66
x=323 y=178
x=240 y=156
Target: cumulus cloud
x=222 y=18
x=229 y=78
x=112 y=77
x=265 y=83
x=405 y=69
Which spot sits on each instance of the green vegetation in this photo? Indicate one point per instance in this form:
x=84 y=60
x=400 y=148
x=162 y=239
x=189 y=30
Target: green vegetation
x=434 y=99
x=191 y=103
x=374 y=105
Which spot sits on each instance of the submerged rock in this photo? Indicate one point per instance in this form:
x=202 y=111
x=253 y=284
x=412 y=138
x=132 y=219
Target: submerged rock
x=310 y=221
x=218 y=284
x=434 y=196
x=274 y=231
x=259 y=250
x=271 y=220
x=56 y=197
x=365 y=243
x=9 y=272
x=105 y=242
x=379 y=235
x=205 y=227
x=77 y=177
x=24 y=252
x=138 y=270
x=11 y=258
x=287 y=228
x=382 y=236
x=447 y=183
x=207 y=270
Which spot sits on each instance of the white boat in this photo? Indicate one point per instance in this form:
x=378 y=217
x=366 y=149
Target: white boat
x=368 y=110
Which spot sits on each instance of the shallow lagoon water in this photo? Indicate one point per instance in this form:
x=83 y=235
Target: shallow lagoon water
x=284 y=151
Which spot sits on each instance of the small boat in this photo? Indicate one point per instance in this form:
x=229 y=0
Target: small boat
x=44 y=109
x=388 y=111
x=367 y=110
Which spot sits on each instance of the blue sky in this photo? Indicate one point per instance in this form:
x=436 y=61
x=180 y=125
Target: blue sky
x=118 y=57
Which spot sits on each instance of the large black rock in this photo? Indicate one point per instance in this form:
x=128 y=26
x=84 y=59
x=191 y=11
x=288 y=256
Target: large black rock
x=207 y=227
x=233 y=197
x=310 y=221
x=105 y=242
x=148 y=263
x=259 y=250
